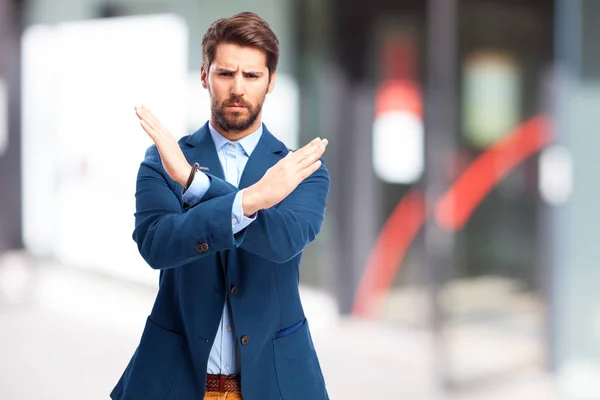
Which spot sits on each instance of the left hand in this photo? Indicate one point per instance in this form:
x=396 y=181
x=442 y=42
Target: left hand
x=282 y=178
x=171 y=156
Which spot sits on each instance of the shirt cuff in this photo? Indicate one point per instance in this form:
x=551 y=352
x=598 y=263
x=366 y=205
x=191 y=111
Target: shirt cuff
x=238 y=220
x=197 y=189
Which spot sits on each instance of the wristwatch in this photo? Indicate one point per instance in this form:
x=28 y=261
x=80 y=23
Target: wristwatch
x=195 y=168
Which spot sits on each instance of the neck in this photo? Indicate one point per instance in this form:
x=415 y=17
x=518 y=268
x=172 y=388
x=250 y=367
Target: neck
x=234 y=136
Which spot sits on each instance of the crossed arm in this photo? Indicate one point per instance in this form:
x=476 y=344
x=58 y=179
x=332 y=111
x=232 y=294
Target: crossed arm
x=289 y=203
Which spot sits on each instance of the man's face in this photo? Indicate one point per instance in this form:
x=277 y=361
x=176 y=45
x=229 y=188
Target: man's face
x=238 y=82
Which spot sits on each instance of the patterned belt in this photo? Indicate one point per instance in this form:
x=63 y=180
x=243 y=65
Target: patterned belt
x=223 y=383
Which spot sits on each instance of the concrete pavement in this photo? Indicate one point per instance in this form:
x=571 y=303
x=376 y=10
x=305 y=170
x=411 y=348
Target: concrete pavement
x=67 y=334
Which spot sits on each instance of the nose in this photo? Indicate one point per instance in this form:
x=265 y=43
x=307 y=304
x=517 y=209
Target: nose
x=237 y=87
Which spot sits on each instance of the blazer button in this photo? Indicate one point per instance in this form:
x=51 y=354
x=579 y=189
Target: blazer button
x=245 y=340
x=234 y=290
x=201 y=247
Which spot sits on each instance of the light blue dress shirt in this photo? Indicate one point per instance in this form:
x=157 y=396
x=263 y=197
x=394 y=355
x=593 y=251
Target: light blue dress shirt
x=224 y=355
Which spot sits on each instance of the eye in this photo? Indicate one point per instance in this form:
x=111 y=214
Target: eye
x=225 y=74
x=252 y=76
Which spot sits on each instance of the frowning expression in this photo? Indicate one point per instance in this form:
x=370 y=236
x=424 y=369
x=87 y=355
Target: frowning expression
x=238 y=81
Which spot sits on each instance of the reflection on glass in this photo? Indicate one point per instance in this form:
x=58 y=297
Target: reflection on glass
x=398 y=133
x=492 y=85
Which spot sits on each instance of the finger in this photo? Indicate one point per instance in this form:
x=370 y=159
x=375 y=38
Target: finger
x=304 y=151
x=149 y=116
x=306 y=172
x=286 y=160
x=141 y=114
x=315 y=145
x=313 y=156
x=148 y=129
x=308 y=154
x=141 y=111
x=146 y=114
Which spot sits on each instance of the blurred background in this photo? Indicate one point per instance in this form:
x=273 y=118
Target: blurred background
x=460 y=255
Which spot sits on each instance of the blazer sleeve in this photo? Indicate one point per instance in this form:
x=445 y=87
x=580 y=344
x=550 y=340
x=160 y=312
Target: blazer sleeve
x=282 y=232
x=168 y=236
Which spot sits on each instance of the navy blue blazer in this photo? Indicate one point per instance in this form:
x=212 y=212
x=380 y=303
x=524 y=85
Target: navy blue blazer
x=202 y=263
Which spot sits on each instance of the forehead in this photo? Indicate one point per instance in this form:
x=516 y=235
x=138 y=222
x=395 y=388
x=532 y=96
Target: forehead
x=232 y=56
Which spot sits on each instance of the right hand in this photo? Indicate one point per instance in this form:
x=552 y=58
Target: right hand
x=171 y=155
x=282 y=178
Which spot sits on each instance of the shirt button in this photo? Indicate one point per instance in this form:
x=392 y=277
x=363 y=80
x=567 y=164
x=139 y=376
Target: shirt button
x=228 y=328
x=234 y=221
x=227 y=368
x=245 y=340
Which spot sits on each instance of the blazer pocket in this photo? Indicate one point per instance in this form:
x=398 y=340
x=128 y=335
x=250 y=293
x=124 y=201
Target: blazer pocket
x=155 y=364
x=298 y=371
x=290 y=329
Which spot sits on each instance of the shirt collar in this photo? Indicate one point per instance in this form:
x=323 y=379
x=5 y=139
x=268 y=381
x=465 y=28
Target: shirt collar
x=248 y=143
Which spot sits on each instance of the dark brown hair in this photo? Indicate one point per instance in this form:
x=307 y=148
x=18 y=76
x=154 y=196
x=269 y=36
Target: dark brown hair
x=244 y=29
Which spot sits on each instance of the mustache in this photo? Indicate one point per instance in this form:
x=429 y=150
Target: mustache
x=236 y=101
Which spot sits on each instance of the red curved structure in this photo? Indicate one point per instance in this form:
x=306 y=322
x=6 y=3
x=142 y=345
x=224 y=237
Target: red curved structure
x=390 y=249
x=452 y=211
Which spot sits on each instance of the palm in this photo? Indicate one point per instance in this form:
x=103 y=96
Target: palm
x=172 y=158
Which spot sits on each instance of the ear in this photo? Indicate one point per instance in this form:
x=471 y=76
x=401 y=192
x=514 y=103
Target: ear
x=272 y=82
x=204 y=77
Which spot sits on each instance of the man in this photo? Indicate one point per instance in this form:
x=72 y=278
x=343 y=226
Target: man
x=225 y=214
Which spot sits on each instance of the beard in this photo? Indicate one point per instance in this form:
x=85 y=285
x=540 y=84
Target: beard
x=235 y=121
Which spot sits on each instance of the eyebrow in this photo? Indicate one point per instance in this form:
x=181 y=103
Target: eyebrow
x=221 y=69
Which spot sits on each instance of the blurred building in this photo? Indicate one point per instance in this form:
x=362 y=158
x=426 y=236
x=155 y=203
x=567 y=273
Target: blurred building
x=463 y=149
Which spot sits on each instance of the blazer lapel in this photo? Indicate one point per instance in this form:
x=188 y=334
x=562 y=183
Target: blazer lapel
x=203 y=152
x=265 y=155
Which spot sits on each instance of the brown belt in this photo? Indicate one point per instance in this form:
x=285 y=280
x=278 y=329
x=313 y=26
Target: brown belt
x=223 y=383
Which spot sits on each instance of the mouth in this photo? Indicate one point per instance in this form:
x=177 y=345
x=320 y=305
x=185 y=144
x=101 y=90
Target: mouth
x=235 y=106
